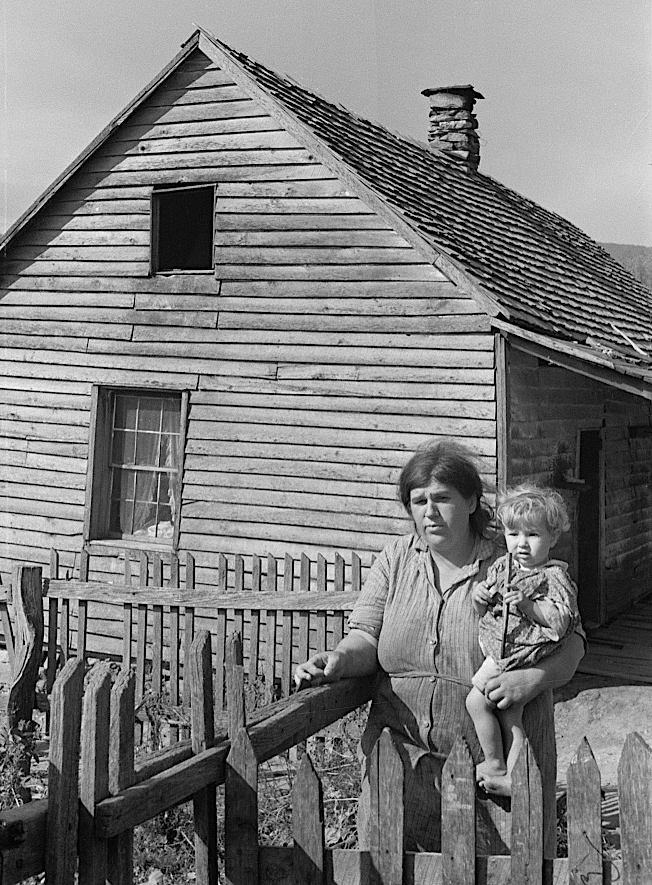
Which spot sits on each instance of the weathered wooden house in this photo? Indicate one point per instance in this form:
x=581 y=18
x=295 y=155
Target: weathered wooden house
x=231 y=319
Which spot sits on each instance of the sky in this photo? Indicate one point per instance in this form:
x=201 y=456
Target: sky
x=566 y=118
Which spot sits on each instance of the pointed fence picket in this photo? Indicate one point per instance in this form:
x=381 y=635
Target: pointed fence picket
x=92 y=764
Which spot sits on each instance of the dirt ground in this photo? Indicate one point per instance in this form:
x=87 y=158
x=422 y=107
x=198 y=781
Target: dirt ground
x=604 y=711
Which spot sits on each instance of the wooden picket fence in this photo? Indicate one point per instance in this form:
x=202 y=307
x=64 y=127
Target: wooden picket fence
x=97 y=796
x=148 y=624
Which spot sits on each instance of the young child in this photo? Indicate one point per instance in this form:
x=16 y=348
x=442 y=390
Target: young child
x=542 y=613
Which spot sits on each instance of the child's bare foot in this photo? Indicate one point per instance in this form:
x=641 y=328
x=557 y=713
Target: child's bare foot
x=489 y=771
x=497 y=785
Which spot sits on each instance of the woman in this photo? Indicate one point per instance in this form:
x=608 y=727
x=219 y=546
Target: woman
x=415 y=627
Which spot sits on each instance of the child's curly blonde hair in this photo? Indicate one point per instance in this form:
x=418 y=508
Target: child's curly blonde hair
x=527 y=504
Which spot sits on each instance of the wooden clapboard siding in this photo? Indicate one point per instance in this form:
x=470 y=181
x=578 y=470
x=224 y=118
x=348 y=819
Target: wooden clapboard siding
x=44 y=413
x=42 y=486
x=322 y=350
x=119 y=291
x=549 y=406
x=339 y=403
x=207 y=422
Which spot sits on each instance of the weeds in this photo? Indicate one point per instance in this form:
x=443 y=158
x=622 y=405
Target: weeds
x=17 y=751
x=164 y=846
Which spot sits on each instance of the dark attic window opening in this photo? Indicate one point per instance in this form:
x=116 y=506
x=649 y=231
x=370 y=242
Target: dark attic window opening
x=640 y=431
x=183 y=229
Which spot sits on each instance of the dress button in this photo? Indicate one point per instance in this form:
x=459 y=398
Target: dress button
x=426 y=723
x=433 y=678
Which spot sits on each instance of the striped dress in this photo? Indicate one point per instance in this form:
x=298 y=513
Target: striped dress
x=428 y=651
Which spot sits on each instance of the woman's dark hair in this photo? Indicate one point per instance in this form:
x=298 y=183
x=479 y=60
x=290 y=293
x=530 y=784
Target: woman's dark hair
x=451 y=463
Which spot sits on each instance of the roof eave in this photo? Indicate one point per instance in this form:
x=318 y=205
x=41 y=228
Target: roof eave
x=581 y=359
x=186 y=48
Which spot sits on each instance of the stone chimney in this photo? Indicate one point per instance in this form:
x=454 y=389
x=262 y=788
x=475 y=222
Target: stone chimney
x=453 y=124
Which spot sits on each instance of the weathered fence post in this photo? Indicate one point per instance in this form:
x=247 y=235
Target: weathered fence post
x=220 y=632
x=63 y=774
x=235 y=697
x=53 y=628
x=635 y=795
x=254 y=624
x=527 y=819
x=28 y=616
x=386 y=813
x=121 y=771
x=82 y=607
x=583 y=811
x=240 y=783
x=157 y=628
x=203 y=736
x=308 y=825
x=458 y=817
x=94 y=773
x=174 y=639
x=270 y=636
x=188 y=636
x=141 y=644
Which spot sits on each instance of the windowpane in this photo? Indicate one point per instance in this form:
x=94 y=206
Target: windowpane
x=146 y=501
x=170 y=416
x=122 y=501
x=125 y=412
x=147 y=446
x=124 y=447
x=149 y=414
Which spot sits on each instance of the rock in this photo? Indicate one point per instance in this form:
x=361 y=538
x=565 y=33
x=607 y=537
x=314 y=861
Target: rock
x=604 y=711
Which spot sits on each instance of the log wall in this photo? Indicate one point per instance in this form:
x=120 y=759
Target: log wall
x=322 y=350
x=549 y=406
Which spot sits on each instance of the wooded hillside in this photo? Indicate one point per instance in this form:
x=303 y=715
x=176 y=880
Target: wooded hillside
x=636 y=259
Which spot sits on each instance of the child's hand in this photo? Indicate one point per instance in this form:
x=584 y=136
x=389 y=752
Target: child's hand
x=482 y=595
x=515 y=596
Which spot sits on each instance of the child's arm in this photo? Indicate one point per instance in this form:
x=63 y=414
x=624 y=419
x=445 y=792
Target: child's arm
x=541 y=610
x=552 y=604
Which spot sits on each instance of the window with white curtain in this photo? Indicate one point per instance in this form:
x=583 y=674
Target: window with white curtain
x=136 y=466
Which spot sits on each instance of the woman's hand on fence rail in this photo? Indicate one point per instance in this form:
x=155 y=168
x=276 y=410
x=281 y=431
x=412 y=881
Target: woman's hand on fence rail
x=355 y=655
x=326 y=666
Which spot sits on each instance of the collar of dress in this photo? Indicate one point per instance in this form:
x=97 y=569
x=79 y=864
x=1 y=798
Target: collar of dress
x=483 y=549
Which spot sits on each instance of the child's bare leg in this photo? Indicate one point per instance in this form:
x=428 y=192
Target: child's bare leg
x=513 y=737
x=490 y=736
x=487 y=671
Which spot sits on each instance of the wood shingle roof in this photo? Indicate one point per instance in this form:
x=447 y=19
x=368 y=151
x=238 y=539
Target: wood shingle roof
x=542 y=272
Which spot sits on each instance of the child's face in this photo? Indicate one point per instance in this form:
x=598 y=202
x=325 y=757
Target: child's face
x=530 y=544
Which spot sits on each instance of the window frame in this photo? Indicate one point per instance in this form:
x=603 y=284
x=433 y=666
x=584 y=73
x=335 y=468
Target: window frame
x=154 y=239
x=98 y=475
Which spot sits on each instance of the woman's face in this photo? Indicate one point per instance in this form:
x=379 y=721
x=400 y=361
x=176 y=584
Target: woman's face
x=441 y=515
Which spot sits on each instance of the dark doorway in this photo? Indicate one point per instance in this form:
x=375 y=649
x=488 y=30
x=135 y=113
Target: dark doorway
x=590 y=516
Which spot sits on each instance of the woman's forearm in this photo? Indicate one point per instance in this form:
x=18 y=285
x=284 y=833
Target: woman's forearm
x=558 y=668
x=359 y=655
x=522 y=686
